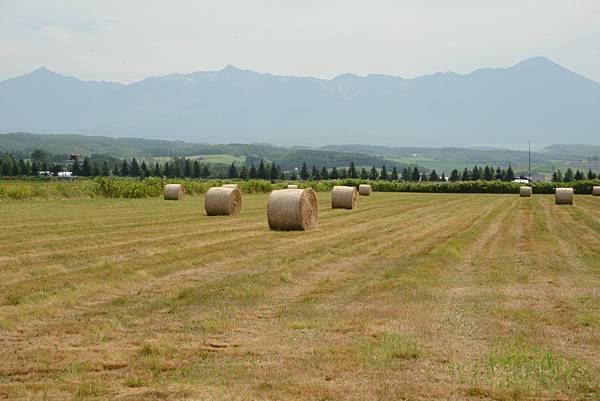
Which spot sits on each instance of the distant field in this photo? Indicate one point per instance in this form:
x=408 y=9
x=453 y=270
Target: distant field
x=211 y=159
x=411 y=296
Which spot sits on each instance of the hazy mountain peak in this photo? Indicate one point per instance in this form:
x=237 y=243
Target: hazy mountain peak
x=535 y=98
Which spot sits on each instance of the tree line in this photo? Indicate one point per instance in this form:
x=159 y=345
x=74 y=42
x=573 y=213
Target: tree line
x=187 y=168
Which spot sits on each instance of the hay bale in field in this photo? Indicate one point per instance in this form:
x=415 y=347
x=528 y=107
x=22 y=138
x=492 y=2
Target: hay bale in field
x=173 y=191
x=364 y=189
x=223 y=201
x=292 y=186
x=596 y=191
x=564 y=196
x=525 y=192
x=343 y=197
x=292 y=209
x=230 y=185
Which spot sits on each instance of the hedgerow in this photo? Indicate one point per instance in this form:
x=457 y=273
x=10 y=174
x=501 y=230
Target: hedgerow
x=114 y=187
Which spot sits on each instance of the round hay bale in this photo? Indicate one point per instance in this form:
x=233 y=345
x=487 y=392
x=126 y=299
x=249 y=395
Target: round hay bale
x=564 y=196
x=292 y=209
x=343 y=197
x=364 y=189
x=292 y=186
x=223 y=201
x=173 y=192
x=525 y=192
x=596 y=191
x=230 y=185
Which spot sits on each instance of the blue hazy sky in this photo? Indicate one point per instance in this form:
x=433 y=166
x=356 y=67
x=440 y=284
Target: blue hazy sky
x=131 y=39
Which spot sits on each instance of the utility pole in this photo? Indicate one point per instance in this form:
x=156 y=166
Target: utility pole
x=530 y=160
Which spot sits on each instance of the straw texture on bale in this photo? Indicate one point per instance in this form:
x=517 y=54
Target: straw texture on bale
x=230 y=185
x=173 y=191
x=596 y=191
x=292 y=209
x=343 y=197
x=364 y=189
x=292 y=186
x=564 y=196
x=223 y=201
x=525 y=192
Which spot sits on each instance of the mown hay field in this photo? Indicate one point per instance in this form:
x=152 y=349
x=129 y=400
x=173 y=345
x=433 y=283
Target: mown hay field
x=409 y=296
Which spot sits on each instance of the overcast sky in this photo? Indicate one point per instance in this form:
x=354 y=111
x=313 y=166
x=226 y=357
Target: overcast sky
x=127 y=40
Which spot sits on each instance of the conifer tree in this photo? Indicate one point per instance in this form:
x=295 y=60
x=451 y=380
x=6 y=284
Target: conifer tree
x=591 y=175
x=500 y=174
x=510 y=174
x=105 y=170
x=373 y=174
x=205 y=173
x=324 y=173
x=76 y=170
x=406 y=174
x=443 y=177
x=144 y=169
x=364 y=174
x=559 y=176
x=343 y=173
x=352 y=171
x=134 y=168
x=244 y=173
x=465 y=175
x=167 y=170
x=275 y=173
x=304 y=172
x=569 y=175
x=188 y=168
x=35 y=169
x=177 y=173
x=394 y=175
x=28 y=167
x=488 y=173
x=476 y=173
x=158 y=171
x=433 y=176
x=384 y=174
x=124 y=168
x=86 y=167
x=334 y=174
x=579 y=176
x=415 y=175
x=22 y=168
x=233 y=172
x=314 y=174
x=262 y=172
x=454 y=176
x=252 y=172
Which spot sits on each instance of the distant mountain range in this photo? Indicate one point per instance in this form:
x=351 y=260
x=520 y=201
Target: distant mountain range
x=535 y=98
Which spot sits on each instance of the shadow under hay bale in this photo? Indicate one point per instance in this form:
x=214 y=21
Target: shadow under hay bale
x=564 y=196
x=223 y=201
x=173 y=192
x=365 y=189
x=343 y=197
x=525 y=192
x=292 y=209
